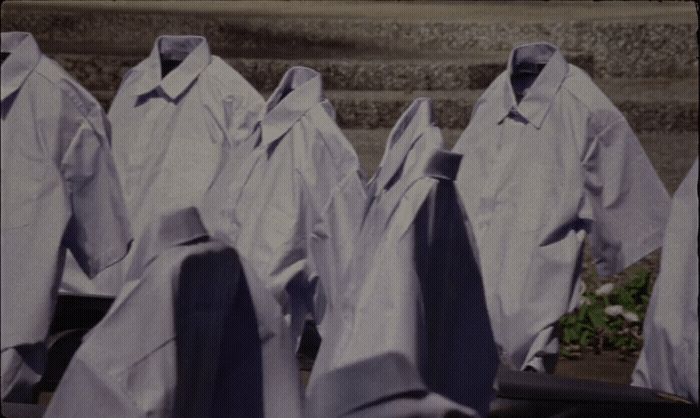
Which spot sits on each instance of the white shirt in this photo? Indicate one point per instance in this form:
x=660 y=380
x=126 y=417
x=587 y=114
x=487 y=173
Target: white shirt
x=126 y=366
x=267 y=208
x=172 y=132
x=410 y=301
x=539 y=176
x=261 y=208
x=669 y=357
x=59 y=188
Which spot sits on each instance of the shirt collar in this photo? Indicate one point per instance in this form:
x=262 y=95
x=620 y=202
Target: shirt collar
x=24 y=56
x=361 y=384
x=403 y=136
x=299 y=90
x=196 y=54
x=416 y=130
x=535 y=105
x=434 y=162
x=170 y=230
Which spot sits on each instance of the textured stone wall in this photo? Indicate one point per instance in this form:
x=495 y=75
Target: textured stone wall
x=618 y=48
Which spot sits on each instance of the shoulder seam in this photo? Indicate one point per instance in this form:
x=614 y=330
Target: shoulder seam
x=336 y=164
x=575 y=96
x=218 y=78
x=80 y=107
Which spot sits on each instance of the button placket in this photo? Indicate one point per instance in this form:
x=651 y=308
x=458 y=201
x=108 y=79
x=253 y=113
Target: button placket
x=500 y=155
x=152 y=115
x=141 y=144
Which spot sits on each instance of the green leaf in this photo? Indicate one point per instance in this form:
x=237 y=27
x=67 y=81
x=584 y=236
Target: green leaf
x=568 y=335
x=637 y=282
x=566 y=353
x=597 y=317
x=582 y=314
x=585 y=338
x=626 y=300
x=617 y=324
x=588 y=327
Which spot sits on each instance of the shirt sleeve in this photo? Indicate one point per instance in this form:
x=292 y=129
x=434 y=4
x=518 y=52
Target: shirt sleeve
x=669 y=358
x=235 y=105
x=241 y=115
x=98 y=233
x=629 y=204
x=330 y=242
x=334 y=188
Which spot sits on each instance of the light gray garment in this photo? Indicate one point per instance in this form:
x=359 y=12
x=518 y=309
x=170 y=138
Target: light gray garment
x=669 y=359
x=536 y=179
x=386 y=385
x=127 y=364
x=379 y=310
x=172 y=134
x=59 y=189
x=267 y=208
x=415 y=405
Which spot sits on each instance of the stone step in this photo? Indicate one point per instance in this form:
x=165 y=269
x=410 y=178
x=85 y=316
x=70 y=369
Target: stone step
x=476 y=71
x=671 y=154
x=656 y=106
x=641 y=40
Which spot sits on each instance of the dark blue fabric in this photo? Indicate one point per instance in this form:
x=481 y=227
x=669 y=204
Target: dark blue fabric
x=456 y=316
x=219 y=358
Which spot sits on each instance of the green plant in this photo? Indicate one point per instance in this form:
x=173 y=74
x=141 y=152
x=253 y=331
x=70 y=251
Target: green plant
x=609 y=317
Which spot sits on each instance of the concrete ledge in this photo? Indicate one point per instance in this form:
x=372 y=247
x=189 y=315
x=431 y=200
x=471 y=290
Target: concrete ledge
x=453 y=108
x=671 y=154
x=381 y=109
x=102 y=72
x=97 y=72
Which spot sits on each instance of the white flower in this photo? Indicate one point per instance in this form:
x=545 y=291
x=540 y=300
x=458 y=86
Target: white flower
x=604 y=290
x=584 y=301
x=630 y=316
x=614 y=310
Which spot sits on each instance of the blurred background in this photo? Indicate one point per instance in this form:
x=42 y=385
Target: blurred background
x=377 y=56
